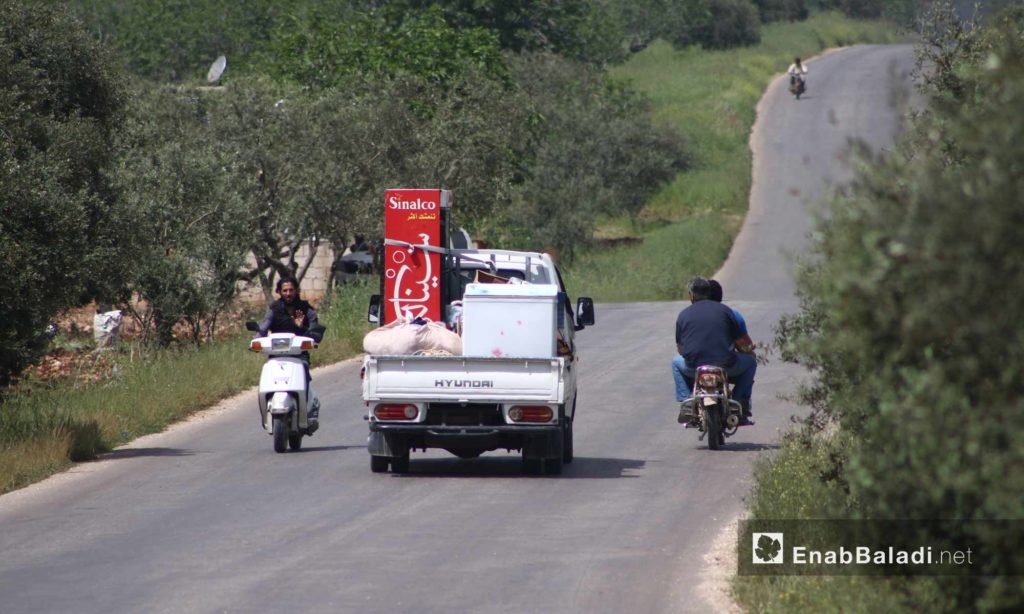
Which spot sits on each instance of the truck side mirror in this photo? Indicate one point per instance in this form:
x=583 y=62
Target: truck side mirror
x=253 y=326
x=373 y=313
x=584 y=312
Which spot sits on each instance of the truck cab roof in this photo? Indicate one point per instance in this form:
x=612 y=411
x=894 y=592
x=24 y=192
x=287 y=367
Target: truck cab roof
x=531 y=267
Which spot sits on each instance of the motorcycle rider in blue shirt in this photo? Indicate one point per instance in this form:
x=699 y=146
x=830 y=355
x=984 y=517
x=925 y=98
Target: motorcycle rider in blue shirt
x=710 y=333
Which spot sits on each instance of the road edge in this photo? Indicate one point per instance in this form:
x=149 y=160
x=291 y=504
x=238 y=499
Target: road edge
x=241 y=401
x=715 y=587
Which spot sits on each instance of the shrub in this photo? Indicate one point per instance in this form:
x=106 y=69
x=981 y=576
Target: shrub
x=60 y=99
x=731 y=23
x=911 y=323
x=781 y=10
x=592 y=150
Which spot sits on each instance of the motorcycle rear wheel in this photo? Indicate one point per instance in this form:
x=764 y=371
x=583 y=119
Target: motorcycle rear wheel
x=714 y=423
x=280 y=434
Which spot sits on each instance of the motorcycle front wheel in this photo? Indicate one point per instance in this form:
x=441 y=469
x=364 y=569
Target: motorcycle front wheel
x=280 y=433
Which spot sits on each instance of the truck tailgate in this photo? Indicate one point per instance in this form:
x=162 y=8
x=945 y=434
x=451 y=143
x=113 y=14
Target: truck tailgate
x=459 y=378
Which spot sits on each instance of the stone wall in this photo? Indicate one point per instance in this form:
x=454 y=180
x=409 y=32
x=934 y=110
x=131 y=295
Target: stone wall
x=314 y=284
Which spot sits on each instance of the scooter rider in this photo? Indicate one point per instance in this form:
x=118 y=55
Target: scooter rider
x=706 y=333
x=291 y=314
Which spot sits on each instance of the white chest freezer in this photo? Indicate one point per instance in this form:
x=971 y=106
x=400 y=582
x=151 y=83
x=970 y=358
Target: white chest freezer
x=510 y=320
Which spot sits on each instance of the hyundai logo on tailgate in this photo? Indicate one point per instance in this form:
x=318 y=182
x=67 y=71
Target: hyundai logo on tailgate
x=463 y=383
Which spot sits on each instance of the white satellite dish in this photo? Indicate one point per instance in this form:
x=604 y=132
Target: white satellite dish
x=216 y=69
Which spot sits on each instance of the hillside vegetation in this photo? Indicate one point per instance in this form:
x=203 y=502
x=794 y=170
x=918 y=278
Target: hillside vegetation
x=688 y=226
x=124 y=175
x=910 y=322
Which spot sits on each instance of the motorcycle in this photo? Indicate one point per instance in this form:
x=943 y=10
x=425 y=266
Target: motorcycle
x=286 y=398
x=797 y=85
x=710 y=408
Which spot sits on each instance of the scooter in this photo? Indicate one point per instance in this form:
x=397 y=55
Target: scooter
x=286 y=398
x=710 y=409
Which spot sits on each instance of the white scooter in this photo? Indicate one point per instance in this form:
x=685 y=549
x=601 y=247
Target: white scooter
x=286 y=399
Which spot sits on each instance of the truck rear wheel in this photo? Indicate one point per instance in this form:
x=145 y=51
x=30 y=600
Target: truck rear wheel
x=532 y=465
x=567 y=452
x=378 y=464
x=400 y=464
x=553 y=463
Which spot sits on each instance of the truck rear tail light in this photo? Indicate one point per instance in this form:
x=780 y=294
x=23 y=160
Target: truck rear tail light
x=396 y=411
x=530 y=413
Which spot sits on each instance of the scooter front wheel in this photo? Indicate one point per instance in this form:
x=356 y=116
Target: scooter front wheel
x=280 y=434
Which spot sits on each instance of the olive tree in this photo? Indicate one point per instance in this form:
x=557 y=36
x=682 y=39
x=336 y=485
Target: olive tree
x=178 y=184
x=60 y=100
x=592 y=151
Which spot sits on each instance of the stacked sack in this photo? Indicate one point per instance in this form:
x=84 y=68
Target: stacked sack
x=405 y=338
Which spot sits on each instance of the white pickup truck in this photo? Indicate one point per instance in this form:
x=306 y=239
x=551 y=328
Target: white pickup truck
x=514 y=387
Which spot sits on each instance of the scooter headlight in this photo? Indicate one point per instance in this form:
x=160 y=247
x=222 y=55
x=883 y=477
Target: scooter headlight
x=280 y=344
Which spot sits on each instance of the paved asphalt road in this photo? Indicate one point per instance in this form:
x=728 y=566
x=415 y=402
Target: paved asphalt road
x=207 y=518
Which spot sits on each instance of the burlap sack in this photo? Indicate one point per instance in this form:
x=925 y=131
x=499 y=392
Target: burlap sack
x=401 y=338
x=395 y=339
x=434 y=336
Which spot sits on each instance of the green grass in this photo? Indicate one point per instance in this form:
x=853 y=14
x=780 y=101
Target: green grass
x=44 y=428
x=710 y=97
x=789 y=486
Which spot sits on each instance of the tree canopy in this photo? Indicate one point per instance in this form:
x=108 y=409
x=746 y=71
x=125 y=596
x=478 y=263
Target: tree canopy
x=911 y=312
x=60 y=101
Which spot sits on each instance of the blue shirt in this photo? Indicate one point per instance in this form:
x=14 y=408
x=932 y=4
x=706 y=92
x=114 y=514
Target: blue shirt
x=741 y=322
x=707 y=331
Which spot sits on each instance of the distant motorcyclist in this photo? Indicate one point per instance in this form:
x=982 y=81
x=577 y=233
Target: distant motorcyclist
x=706 y=334
x=797 y=72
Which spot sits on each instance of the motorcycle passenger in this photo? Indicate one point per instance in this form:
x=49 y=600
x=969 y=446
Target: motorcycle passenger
x=706 y=334
x=745 y=344
x=797 y=72
x=291 y=314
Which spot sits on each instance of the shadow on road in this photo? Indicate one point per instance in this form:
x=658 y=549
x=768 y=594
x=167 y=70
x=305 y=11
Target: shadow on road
x=304 y=449
x=512 y=466
x=742 y=446
x=595 y=467
x=140 y=452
